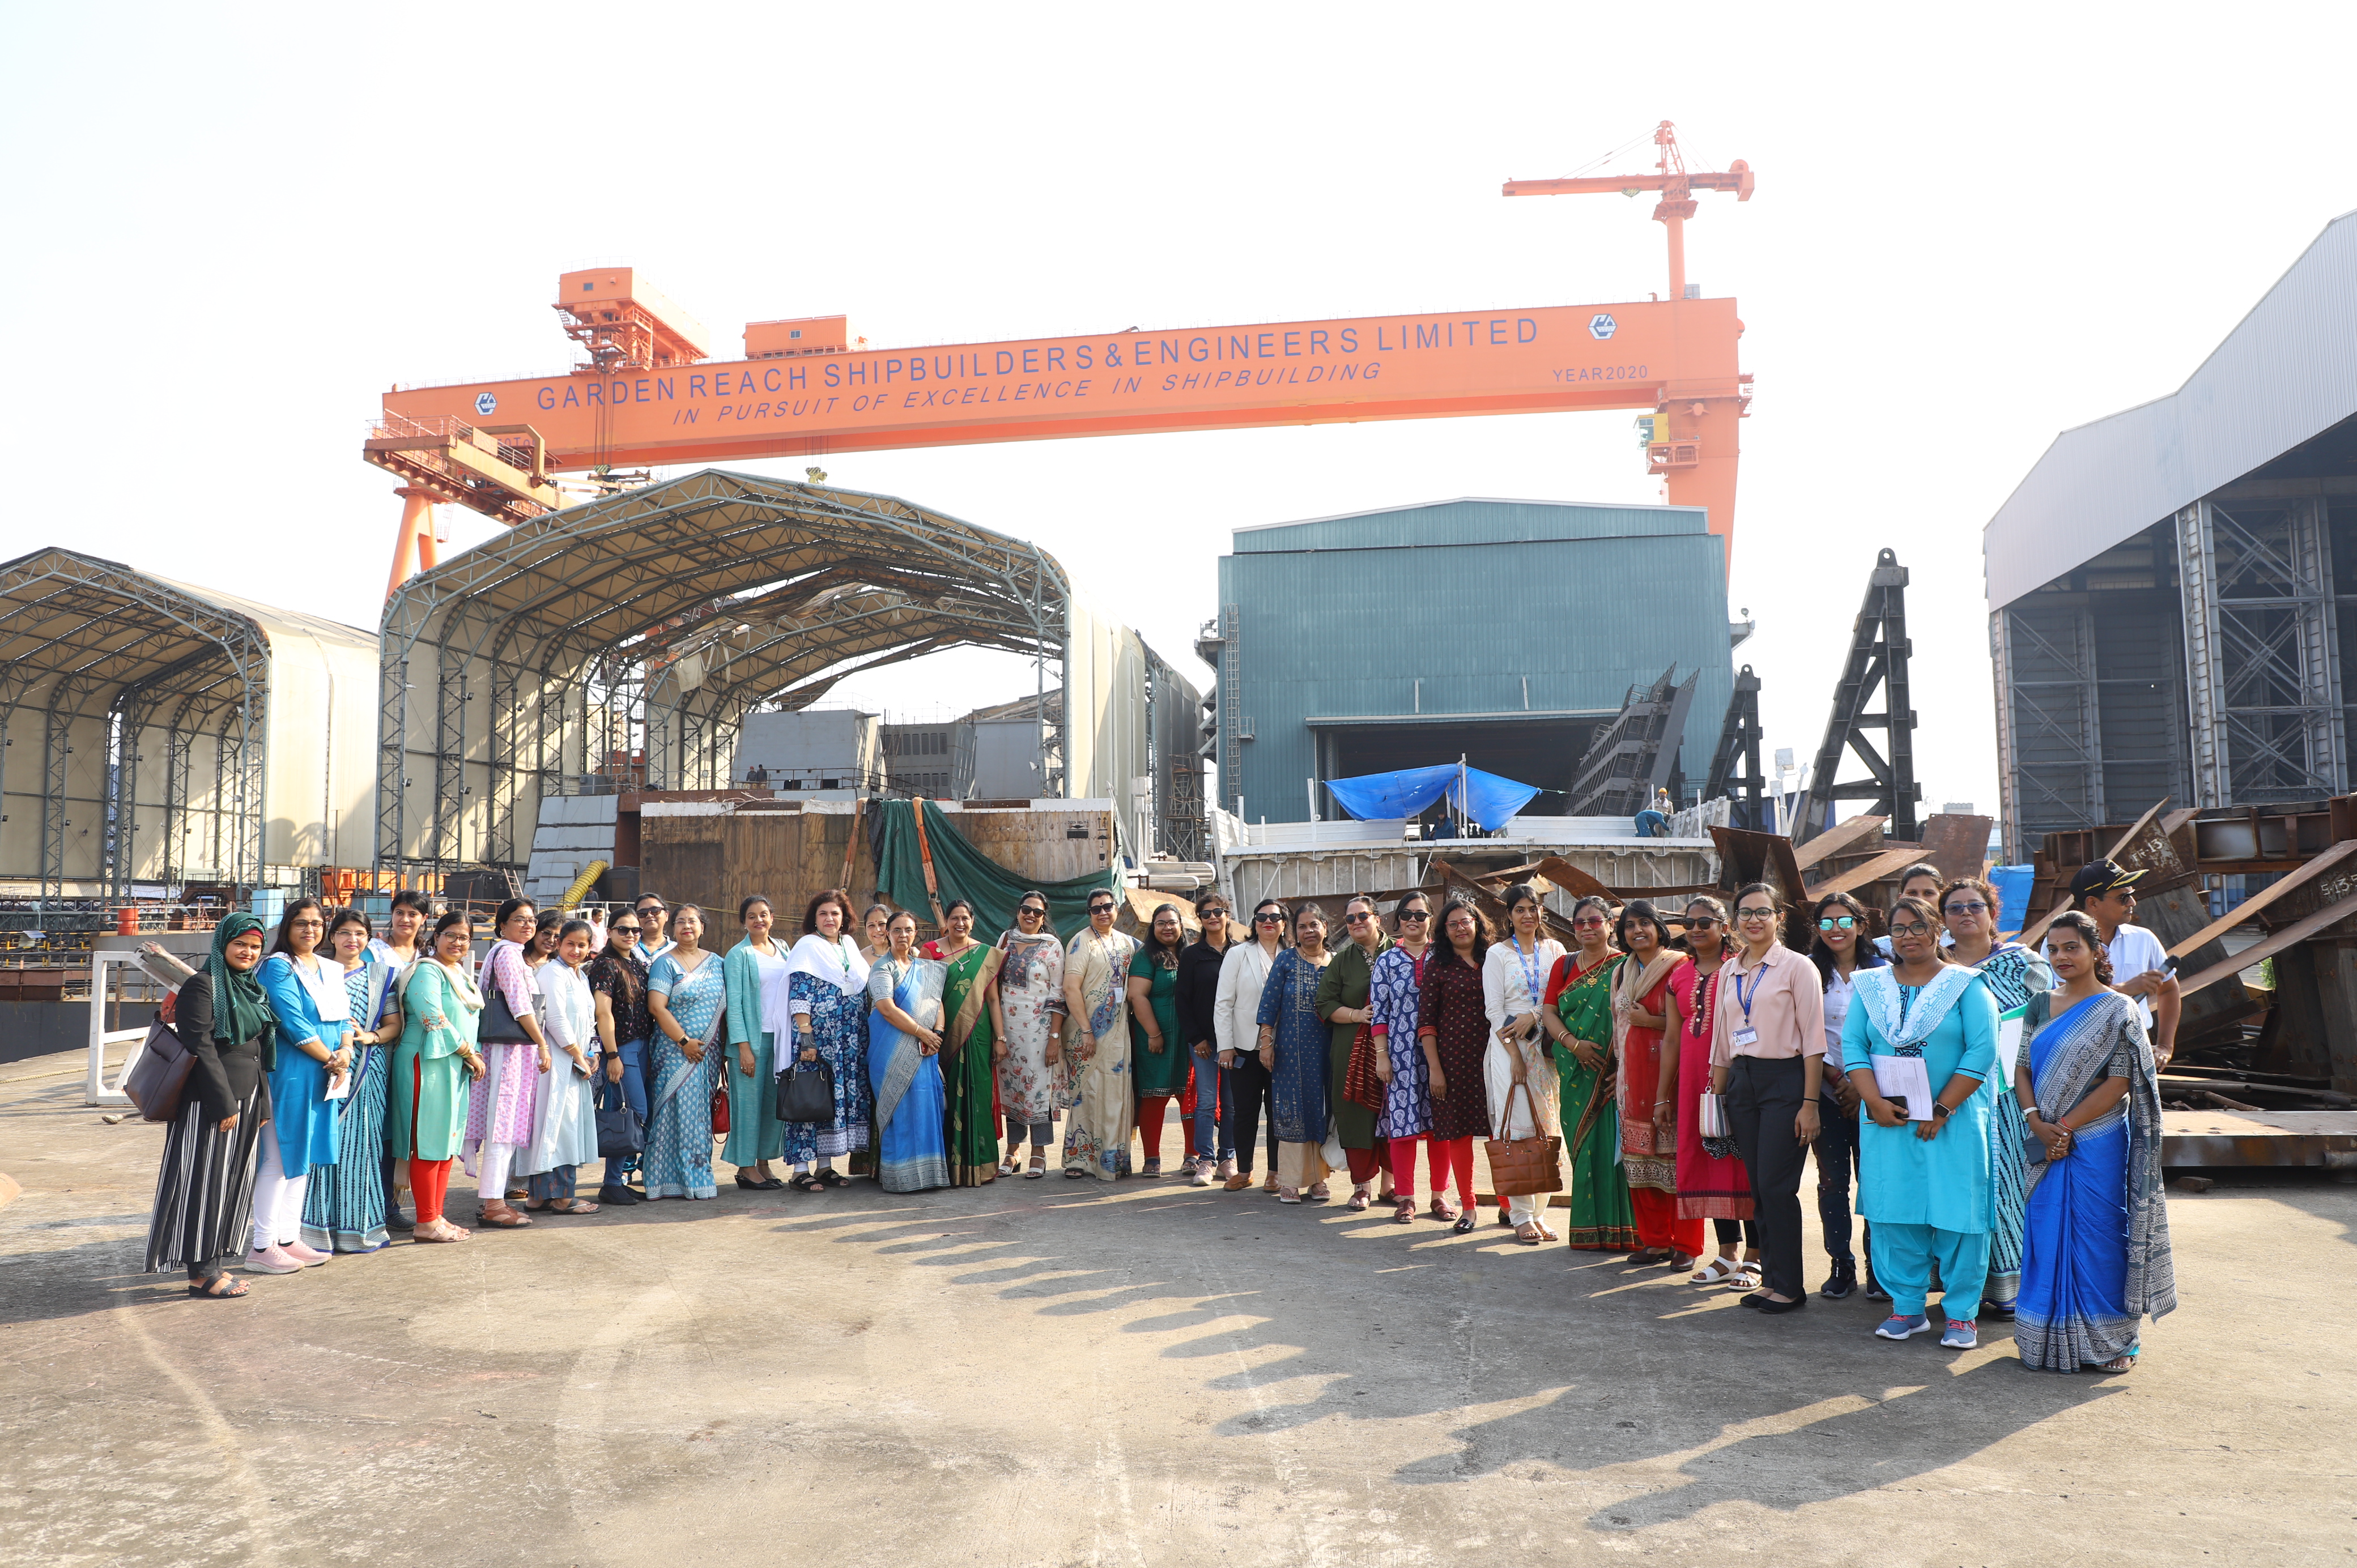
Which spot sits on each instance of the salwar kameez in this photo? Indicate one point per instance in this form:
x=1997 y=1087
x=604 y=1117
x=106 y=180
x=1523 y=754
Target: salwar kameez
x=1299 y=1081
x=1601 y=1220
x=838 y=1033
x=505 y=1102
x=1031 y=1002
x=1513 y=983
x=440 y=1012
x=757 y=1022
x=1647 y=1154
x=1394 y=993
x=1348 y=982
x=1096 y=1094
x=677 y=1160
x=969 y=1078
x=912 y=1152
x=564 y=1132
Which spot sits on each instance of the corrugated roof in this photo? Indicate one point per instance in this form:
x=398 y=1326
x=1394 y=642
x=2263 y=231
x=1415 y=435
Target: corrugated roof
x=2287 y=372
x=1471 y=520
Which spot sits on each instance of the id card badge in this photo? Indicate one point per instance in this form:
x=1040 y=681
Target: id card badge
x=1745 y=1036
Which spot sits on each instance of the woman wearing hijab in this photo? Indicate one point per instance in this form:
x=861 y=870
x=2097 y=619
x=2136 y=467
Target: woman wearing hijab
x=1394 y=986
x=1294 y=1048
x=759 y=1029
x=344 y=1208
x=827 y=991
x=1094 y=1085
x=1516 y=1071
x=204 y=1186
x=1031 y=1010
x=1648 y=1154
x=1343 y=995
x=687 y=995
x=2096 y=1258
x=904 y=1044
x=1710 y=1186
x=306 y=998
x=1969 y=908
x=1580 y=1019
x=564 y=1135
x=1160 y=1059
x=504 y=1107
x=968 y=1054
x=1453 y=1026
x=441 y=1008
x=1926 y=1181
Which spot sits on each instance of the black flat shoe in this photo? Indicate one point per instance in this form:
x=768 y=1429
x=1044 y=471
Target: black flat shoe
x=1465 y=1223
x=1754 y=1299
x=1874 y=1291
x=399 y=1223
x=1777 y=1309
x=619 y=1197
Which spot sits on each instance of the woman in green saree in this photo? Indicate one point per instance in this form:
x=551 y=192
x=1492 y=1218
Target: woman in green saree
x=970 y=1045
x=1578 y=1015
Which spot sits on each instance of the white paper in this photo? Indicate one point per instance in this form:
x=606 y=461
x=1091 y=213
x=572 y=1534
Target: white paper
x=2008 y=1048
x=1895 y=1076
x=338 y=1087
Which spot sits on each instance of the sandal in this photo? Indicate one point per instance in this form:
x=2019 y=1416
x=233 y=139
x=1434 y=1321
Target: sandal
x=1717 y=1272
x=501 y=1215
x=1320 y=1193
x=1075 y=1173
x=1405 y=1213
x=805 y=1181
x=231 y=1288
x=1528 y=1233
x=1359 y=1200
x=1288 y=1195
x=574 y=1206
x=1039 y=1168
x=832 y=1178
x=2116 y=1364
x=1441 y=1210
x=445 y=1231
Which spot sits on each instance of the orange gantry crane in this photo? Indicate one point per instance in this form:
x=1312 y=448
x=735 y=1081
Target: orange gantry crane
x=648 y=392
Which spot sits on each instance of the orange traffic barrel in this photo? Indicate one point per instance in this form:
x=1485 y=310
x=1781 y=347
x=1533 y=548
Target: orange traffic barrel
x=126 y=922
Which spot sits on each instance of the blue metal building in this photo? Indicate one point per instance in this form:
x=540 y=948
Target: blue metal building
x=1505 y=631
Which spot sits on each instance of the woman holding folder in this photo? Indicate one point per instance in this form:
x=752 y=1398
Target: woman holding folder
x=1918 y=1043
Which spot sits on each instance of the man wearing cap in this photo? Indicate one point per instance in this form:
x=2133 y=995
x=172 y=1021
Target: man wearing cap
x=2107 y=891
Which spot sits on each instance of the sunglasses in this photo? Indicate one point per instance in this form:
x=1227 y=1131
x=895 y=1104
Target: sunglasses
x=624 y=930
x=1590 y=923
x=1911 y=930
x=1838 y=923
x=1406 y=915
x=1268 y=917
x=1975 y=908
x=1361 y=918
x=1100 y=908
x=1701 y=923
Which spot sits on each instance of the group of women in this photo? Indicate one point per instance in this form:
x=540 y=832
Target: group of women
x=1689 y=1062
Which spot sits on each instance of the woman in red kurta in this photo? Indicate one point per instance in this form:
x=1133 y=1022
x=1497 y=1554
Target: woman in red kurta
x=1641 y=1014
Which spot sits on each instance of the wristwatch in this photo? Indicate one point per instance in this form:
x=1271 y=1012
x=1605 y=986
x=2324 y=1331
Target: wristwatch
x=1939 y=1111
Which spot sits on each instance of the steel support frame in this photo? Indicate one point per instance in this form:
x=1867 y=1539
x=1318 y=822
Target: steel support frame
x=1878 y=654
x=2065 y=713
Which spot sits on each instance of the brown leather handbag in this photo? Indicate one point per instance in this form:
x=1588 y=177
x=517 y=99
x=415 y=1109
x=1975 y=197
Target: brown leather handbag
x=159 y=1079
x=1520 y=1167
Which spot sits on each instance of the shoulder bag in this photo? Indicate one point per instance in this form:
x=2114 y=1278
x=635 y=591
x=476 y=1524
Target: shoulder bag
x=806 y=1092
x=1520 y=1167
x=619 y=1135
x=159 y=1079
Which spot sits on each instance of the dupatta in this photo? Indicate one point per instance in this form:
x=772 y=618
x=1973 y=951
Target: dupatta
x=2080 y=1047
x=1904 y=1024
x=1630 y=986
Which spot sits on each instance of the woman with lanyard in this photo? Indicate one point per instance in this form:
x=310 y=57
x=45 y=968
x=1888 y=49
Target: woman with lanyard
x=1094 y=1086
x=1031 y=1008
x=2097 y=1259
x=1198 y=1001
x=1649 y=1152
x=344 y=1209
x=1394 y=985
x=1293 y=1046
x=1158 y=1058
x=2014 y=974
x=758 y=1038
x=1925 y=1183
x=505 y=1104
x=1515 y=1067
x=1839 y=950
x=1452 y=1024
x=1579 y=1019
x=204 y=1186
x=827 y=991
x=1244 y=974
x=687 y=994
x=441 y=1008
x=1343 y=1000
x=1711 y=1187
x=904 y=1044
x=1766 y=1052
x=972 y=1034
x=306 y=1086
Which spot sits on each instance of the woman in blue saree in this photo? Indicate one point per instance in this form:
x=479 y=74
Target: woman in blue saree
x=904 y=1043
x=2096 y=1255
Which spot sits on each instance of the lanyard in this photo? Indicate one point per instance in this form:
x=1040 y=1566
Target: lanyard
x=1530 y=968
x=1744 y=1000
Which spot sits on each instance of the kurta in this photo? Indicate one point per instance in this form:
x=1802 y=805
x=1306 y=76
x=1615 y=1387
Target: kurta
x=1601 y=1220
x=677 y=1161
x=969 y=1078
x=838 y=1032
x=1348 y=982
x=1707 y=1188
x=1451 y=1007
x=1100 y=1110
x=1298 y=1083
x=564 y=1132
x=504 y=1103
x=343 y=1209
x=303 y=1119
x=440 y=1012
x=1163 y=1073
x=1395 y=992
x=1031 y=1000
x=1904 y=1180
x=755 y=1134
x=1514 y=982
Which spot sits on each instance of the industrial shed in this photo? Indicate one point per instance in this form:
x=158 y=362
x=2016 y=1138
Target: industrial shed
x=160 y=733
x=1378 y=641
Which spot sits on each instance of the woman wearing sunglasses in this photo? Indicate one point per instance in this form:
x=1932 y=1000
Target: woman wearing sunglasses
x=2013 y=973
x=1840 y=948
x=1343 y=1001
x=1244 y=974
x=1405 y=1120
x=1768 y=1049
x=1578 y=1018
x=1093 y=1082
x=1710 y=1186
x=1031 y=1000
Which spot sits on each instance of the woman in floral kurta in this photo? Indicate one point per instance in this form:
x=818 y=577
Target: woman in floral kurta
x=1031 y=1000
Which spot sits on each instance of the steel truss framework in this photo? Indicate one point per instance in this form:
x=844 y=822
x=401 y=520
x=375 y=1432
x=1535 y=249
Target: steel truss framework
x=655 y=620
x=129 y=661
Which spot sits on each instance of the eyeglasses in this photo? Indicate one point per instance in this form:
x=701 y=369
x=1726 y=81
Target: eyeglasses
x=1916 y=930
x=1408 y=915
x=1838 y=923
x=1268 y=917
x=1590 y=923
x=1755 y=914
x=1975 y=908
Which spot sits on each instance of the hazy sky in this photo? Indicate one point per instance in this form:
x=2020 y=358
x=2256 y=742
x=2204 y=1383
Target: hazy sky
x=232 y=228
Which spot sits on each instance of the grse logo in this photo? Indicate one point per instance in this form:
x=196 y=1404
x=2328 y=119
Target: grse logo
x=486 y=403
x=1600 y=326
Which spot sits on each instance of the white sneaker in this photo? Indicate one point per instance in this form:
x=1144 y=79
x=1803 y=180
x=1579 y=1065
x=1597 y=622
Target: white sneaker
x=1202 y=1174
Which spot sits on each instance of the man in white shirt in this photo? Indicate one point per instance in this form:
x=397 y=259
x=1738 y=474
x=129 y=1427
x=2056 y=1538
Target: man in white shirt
x=2107 y=891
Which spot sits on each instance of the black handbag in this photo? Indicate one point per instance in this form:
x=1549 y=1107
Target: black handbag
x=159 y=1079
x=500 y=1026
x=619 y=1135
x=806 y=1092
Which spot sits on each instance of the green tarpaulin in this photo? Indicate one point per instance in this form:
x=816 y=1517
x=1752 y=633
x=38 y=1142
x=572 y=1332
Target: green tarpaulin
x=962 y=871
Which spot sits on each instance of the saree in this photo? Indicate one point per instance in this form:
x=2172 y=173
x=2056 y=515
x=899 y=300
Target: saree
x=967 y=1074
x=913 y=1151
x=2096 y=1255
x=1100 y=1110
x=677 y=1161
x=1601 y=1220
x=2012 y=975
x=343 y=1208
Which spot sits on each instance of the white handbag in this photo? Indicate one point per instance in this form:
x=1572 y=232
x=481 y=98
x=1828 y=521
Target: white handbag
x=1711 y=1113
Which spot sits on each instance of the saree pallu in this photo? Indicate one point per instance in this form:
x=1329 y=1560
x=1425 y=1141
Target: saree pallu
x=1601 y=1220
x=912 y=1150
x=2012 y=975
x=1096 y=1095
x=967 y=1074
x=343 y=1209
x=2096 y=1257
x=677 y=1160
x=1031 y=1002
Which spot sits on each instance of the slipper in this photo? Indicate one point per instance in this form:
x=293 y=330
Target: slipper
x=1359 y=1202
x=1465 y=1223
x=574 y=1206
x=1527 y=1233
x=1075 y=1173
x=805 y=1182
x=231 y=1288
x=1717 y=1272
x=503 y=1217
x=834 y=1177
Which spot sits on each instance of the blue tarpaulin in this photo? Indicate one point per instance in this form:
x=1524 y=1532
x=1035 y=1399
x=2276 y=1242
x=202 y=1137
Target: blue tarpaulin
x=1485 y=799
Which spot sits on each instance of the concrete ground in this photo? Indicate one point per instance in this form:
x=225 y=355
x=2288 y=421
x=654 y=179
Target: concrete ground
x=1063 y=1373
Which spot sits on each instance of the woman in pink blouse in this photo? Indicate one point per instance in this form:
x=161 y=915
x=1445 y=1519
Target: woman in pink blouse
x=1768 y=1052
